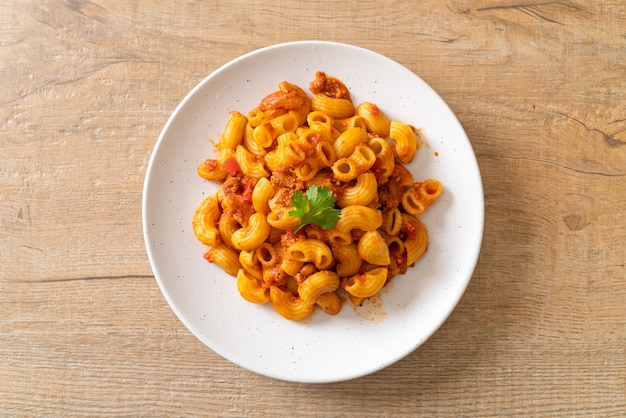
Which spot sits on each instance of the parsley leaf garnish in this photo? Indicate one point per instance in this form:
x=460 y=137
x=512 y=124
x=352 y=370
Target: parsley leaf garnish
x=317 y=207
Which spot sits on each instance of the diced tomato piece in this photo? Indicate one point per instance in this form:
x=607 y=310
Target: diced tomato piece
x=246 y=193
x=231 y=166
x=377 y=170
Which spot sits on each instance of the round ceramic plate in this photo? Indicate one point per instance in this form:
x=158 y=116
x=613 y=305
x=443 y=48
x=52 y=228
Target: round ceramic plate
x=323 y=348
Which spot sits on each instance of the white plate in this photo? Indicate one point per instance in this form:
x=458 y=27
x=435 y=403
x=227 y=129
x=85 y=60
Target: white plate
x=323 y=348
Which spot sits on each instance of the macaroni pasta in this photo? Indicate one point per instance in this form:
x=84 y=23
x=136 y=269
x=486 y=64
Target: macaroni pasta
x=295 y=142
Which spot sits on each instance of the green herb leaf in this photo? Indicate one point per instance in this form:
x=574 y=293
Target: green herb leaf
x=317 y=207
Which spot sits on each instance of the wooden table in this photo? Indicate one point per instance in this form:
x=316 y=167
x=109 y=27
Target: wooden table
x=86 y=87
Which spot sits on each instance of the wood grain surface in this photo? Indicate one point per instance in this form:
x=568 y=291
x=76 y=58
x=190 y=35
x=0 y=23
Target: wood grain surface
x=85 y=89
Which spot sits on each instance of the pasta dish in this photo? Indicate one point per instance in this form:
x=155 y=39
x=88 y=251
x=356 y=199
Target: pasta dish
x=314 y=204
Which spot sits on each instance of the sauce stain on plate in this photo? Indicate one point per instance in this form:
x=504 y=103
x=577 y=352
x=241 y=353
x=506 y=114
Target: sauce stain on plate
x=372 y=309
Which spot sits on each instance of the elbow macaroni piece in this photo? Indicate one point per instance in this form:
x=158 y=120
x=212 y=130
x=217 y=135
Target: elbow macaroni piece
x=288 y=305
x=421 y=197
x=359 y=217
x=406 y=140
x=261 y=194
x=373 y=249
x=250 y=263
x=279 y=218
x=349 y=168
x=233 y=132
x=291 y=267
x=283 y=124
x=302 y=113
x=385 y=155
x=287 y=153
x=395 y=245
x=344 y=124
x=330 y=303
x=392 y=221
x=266 y=254
x=324 y=281
x=348 y=260
x=311 y=250
x=225 y=257
x=316 y=117
x=362 y=193
x=333 y=107
x=367 y=284
x=254 y=234
x=251 y=289
x=213 y=169
x=262 y=136
x=250 y=143
x=288 y=143
x=227 y=227
x=416 y=242
x=323 y=156
x=374 y=119
x=249 y=164
x=335 y=237
x=345 y=144
x=205 y=221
